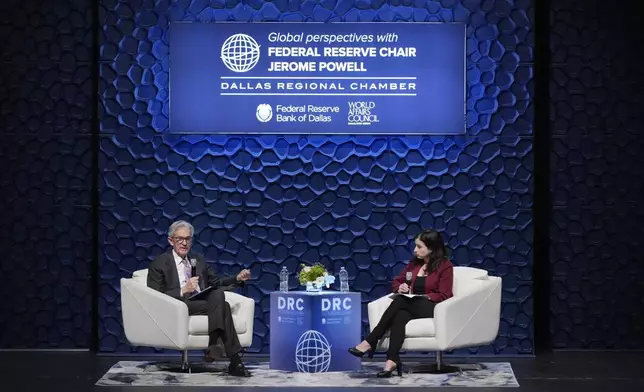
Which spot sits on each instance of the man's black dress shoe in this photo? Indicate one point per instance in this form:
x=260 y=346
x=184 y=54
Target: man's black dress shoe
x=238 y=370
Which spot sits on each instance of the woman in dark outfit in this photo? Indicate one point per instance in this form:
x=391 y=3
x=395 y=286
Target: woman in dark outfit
x=432 y=277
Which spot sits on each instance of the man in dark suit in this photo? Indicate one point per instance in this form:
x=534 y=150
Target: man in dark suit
x=171 y=274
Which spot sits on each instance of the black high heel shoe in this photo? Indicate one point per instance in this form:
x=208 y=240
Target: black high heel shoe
x=388 y=373
x=357 y=353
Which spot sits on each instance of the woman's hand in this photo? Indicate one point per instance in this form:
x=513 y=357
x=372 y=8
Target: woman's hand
x=403 y=288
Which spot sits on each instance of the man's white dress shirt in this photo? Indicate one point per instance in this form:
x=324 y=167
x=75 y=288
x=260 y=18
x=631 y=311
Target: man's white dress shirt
x=183 y=266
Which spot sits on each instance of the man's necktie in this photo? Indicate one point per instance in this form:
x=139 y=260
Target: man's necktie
x=188 y=268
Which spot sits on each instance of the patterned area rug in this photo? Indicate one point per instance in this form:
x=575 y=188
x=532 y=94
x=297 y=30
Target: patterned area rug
x=134 y=373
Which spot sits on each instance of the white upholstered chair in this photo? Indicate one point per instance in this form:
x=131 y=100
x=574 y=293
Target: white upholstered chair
x=470 y=318
x=154 y=319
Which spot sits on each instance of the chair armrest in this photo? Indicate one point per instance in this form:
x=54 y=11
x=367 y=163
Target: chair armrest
x=242 y=307
x=472 y=318
x=151 y=318
x=376 y=308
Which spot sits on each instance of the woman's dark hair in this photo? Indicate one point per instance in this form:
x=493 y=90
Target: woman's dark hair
x=434 y=242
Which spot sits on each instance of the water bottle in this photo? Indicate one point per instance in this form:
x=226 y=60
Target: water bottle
x=284 y=279
x=344 y=280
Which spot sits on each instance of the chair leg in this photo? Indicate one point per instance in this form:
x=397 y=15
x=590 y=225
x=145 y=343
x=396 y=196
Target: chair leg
x=185 y=366
x=438 y=368
x=441 y=368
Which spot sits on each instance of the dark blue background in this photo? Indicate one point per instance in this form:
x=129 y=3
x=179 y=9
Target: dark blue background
x=596 y=172
x=196 y=106
x=480 y=185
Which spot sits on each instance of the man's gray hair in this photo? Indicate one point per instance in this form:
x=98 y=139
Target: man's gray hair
x=179 y=224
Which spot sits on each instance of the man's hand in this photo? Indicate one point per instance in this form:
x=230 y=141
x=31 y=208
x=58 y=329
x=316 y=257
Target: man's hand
x=191 y=286
x=403 y=288
x=243 y=275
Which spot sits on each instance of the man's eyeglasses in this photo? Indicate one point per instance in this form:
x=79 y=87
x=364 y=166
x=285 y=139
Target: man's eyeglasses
x=187 y=240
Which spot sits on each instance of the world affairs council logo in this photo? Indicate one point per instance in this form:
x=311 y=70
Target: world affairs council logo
x=312 y=353
x=264 y=112
x=240 y=53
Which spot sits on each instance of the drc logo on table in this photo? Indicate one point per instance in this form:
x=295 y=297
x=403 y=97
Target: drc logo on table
x=336 y=304
x=240 y=53
x=290 y=303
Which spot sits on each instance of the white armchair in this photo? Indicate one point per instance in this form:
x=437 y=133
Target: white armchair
x=154 y=319
x=470 y=318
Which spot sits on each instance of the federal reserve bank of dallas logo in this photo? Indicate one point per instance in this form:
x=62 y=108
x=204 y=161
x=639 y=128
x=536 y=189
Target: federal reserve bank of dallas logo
x=264 y=112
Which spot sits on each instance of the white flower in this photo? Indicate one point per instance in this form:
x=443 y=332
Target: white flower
x=325 y=274
x=319 y=280
x=307 y=269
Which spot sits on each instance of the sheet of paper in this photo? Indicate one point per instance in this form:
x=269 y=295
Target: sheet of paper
x=406 y=295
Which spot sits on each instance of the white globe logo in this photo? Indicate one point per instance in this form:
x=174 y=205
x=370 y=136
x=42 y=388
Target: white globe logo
x=240 y=53
x=264 y=112
x=312 y=353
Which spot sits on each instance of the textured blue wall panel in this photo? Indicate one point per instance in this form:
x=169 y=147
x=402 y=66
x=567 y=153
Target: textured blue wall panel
x=46 y=157
x=262 y=202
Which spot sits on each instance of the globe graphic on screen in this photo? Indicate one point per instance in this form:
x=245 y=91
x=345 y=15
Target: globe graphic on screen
x=312 y=353
x=240 y=53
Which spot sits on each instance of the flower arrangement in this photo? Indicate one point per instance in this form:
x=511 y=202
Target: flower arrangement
x=314 y=277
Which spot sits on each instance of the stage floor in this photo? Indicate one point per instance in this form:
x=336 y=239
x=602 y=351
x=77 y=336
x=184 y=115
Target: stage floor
x=562 y=371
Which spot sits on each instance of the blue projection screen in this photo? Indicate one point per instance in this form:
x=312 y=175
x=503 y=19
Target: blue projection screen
x=318 y=78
